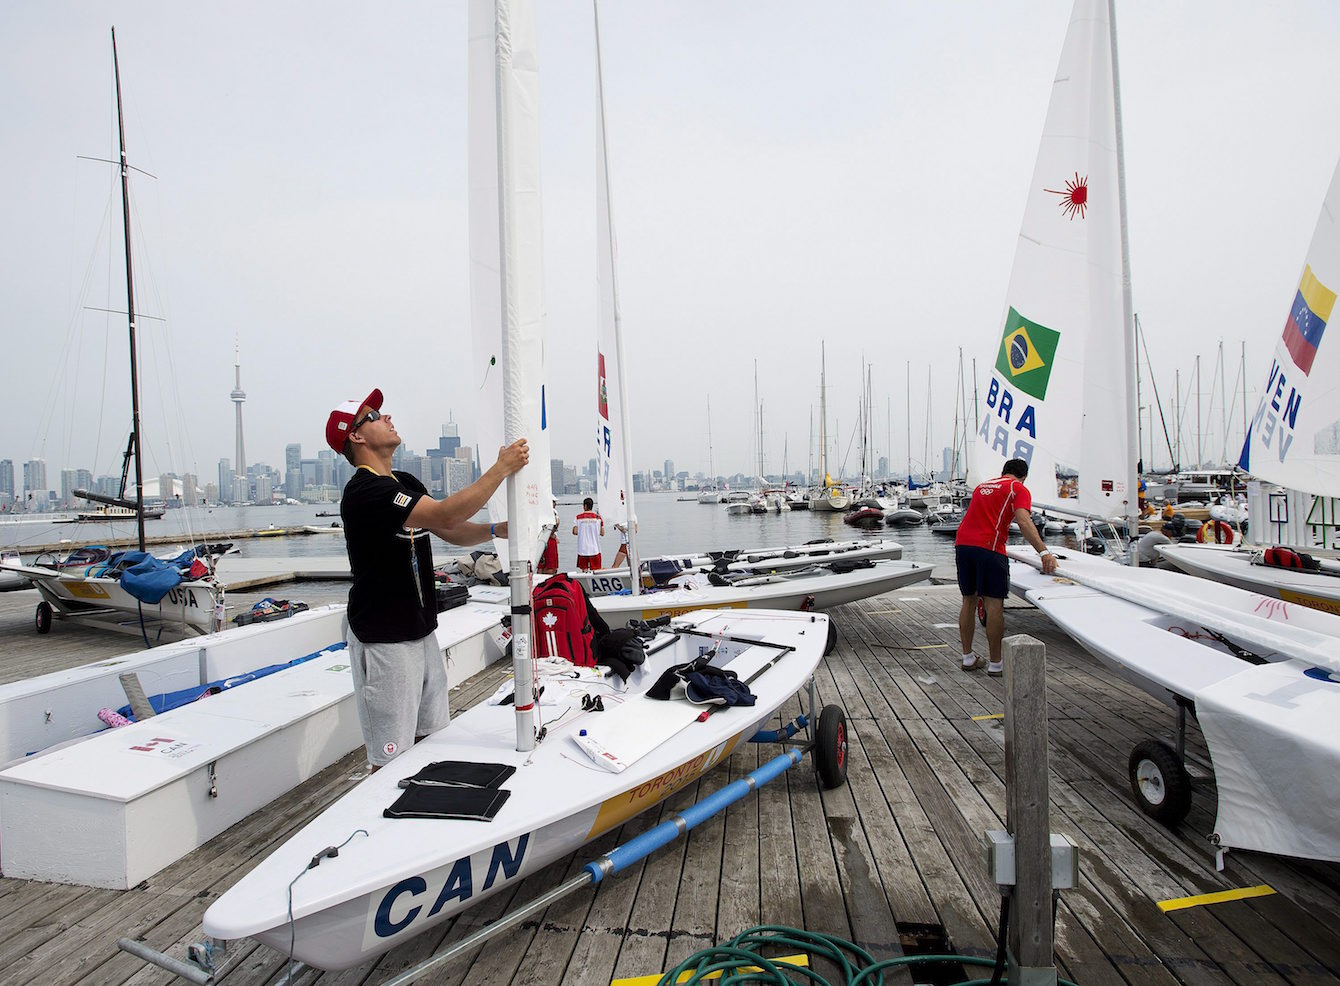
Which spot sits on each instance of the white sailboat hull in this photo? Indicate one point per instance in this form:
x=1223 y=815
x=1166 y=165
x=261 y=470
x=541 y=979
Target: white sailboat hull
x=408 y=875
x=1237 y=567
x=802 y=591
x=188 y=607
x=613 y=580
x=1270 y=727
x=832 y=501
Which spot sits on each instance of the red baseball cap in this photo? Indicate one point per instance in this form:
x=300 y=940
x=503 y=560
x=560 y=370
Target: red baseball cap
x=341 y=420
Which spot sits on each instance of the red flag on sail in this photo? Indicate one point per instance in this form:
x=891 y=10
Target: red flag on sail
x=603 y=396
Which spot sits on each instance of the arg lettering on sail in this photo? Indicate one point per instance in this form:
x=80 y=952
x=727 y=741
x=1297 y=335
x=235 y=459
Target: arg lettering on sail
x=1018 y=387
x=1277 y=414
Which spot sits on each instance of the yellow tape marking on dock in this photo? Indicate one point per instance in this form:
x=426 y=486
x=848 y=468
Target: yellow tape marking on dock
x=993 y=715
x=928 y=647
x=798 y=961
x=1177 y=903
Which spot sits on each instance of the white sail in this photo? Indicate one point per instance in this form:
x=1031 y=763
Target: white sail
x=613 y=442
x=1057 y=392
x=1294 y=439
x=506 y=260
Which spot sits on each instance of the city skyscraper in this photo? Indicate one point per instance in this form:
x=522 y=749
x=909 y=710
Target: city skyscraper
x=293 y=470
x=225 y=481
x=238 y=397
x=7 y=477
x=35 y=475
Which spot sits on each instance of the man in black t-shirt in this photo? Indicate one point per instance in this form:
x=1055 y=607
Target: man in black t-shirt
x=400 y=679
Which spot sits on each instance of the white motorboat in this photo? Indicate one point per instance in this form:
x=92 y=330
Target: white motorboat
x=904 y=517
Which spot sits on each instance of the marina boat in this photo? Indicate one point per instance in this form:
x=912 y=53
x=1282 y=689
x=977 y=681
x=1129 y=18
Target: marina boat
x=241 y=717
x=402 y=876
x=113 y=512
x=864 y=516
x=1246 y=568
x=659 y=568
x=188 y=603
x=1261 y=676
x=829 y=496
x=11 y=581
x=832 y=499
x=547 y=772
x=818 y=587
x=1286 y=444
x=905 y=517
x=741 y=508
x=186 y=608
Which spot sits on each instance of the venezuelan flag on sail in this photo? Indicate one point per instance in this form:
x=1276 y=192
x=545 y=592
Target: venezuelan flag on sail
x=1307 y=320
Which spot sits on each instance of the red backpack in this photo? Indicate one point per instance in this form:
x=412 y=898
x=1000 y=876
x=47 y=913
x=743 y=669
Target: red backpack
x=564 y=623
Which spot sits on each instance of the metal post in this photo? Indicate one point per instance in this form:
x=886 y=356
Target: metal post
x=1030 y=953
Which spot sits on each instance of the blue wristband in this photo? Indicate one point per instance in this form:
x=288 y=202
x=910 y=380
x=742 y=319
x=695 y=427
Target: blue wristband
x=491 y=529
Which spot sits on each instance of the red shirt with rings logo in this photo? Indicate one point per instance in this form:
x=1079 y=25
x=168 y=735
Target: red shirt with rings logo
x=986 y=524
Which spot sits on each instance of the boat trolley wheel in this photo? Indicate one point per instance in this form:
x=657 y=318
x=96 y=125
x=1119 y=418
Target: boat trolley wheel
x=1160 y=783
x=830 y=747
x=44 y=616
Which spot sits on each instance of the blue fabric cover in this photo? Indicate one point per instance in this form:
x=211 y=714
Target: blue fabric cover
x=147 y=578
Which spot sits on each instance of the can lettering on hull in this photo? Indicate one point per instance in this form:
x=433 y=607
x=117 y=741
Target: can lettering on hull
x=410 y=906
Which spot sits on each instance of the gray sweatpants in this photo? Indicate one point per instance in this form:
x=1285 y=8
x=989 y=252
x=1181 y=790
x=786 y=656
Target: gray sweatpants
x=400 y=691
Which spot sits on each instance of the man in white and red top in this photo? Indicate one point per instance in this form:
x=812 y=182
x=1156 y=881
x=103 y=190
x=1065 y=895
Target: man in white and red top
x=589 y=528
x=979 y=551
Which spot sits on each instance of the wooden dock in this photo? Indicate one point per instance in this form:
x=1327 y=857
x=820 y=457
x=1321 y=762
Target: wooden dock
x=892 y=861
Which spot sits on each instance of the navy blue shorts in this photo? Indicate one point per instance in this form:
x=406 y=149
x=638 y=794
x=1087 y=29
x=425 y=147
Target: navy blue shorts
x=982 y=572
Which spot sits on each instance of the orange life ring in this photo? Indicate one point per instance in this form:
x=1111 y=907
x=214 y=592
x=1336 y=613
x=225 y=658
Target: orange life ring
x=1215 y=532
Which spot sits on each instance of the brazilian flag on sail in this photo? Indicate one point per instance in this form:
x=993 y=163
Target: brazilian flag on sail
x=1026 y=354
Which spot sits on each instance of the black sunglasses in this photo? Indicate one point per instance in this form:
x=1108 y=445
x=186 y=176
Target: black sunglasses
x=370 y=416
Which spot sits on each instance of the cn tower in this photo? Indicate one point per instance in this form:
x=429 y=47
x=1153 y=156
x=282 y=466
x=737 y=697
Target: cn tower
x=239 y=396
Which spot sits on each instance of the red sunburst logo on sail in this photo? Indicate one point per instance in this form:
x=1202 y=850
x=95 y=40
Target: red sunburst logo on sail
x=1074 y=197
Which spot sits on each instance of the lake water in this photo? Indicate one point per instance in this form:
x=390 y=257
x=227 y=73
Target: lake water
x=666 y=525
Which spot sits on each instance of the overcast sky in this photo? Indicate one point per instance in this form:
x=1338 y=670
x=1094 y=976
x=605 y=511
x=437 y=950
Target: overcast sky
x=784 y=175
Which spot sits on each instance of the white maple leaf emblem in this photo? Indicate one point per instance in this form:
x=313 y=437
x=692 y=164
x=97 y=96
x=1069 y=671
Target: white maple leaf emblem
x=549 y=619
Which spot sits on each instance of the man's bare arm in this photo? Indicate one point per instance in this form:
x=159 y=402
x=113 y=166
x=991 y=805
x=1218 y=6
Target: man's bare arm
x=435 y=515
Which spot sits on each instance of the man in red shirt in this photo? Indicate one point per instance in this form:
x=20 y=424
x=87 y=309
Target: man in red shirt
x=979 y=551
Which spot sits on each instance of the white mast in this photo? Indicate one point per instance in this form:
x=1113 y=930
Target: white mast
x=1127 y=307
x=823 y=420
x=607 y=234
x=710 y=467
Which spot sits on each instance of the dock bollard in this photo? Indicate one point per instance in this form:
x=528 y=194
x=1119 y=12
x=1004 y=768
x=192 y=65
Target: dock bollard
x=1027 y=862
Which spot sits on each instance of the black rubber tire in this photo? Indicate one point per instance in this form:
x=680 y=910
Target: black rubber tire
x=1160 y=783
x=831 y=644
x=44 y=617
x=830 y=747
